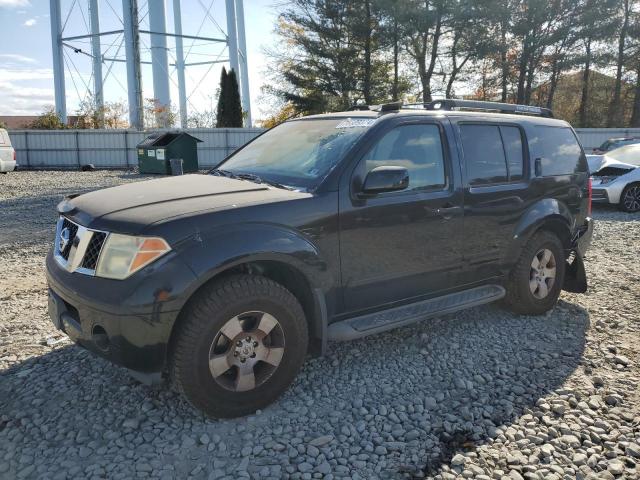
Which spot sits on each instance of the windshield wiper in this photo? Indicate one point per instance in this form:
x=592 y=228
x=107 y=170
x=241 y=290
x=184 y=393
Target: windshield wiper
x=247 y=176
x=255 y=178
x=222 y=173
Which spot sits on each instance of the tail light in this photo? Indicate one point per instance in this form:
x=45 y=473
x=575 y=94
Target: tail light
x=589 y=196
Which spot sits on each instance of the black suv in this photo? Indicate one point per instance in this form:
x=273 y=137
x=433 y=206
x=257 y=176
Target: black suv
x=330 y=227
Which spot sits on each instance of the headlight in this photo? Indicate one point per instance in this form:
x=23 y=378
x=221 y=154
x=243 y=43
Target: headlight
x=605 y=180
x=123 y=255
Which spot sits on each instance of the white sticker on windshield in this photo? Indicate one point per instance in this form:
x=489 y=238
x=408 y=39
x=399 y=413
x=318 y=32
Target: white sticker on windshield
x=356 y=122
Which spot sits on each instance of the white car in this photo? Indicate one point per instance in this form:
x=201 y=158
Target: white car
x=615 y=177
x=7 y=153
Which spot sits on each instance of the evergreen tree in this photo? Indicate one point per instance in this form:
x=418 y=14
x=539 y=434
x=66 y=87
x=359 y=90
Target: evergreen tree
x=234 y=104
x=229 y=112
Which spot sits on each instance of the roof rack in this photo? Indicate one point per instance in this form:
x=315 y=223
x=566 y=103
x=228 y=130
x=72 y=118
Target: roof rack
x=454 y=104
x=384 y=107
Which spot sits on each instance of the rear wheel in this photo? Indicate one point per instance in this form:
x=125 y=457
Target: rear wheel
x=630 y=198
x=535 y=282
x=242 y=342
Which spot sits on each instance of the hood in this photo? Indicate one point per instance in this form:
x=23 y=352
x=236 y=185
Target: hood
x=131 y=207
x=600 y=162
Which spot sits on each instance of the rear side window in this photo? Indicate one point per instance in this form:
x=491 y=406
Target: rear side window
x=561 y=152
x=492 y=154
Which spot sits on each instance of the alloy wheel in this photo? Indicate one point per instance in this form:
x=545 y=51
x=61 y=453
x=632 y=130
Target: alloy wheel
x=543 y=273
x=631 y=199
x=246 y=351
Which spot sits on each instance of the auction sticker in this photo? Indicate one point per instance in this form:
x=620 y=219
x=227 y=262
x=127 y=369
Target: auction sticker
x=356 y=123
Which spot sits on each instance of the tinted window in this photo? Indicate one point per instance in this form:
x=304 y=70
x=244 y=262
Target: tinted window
x=418 y=148
x=561 y=153
x=512 y=140
x=298 y=153
x=483 y=154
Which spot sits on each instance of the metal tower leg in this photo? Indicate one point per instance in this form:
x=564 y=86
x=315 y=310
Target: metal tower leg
x=244 y=63
x=132 y=48
x=182 y=89
x=58 y=59
x=232 y=36
x=96 y=52
x=159 y=63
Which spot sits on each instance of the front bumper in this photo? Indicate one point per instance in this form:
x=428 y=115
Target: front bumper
x=128 y=322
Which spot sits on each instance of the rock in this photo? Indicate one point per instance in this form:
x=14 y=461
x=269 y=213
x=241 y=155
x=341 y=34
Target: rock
x=579 y=459
x=633 y=450
x=616 y=467
x=321 y=441
x=622 y=360
x=458 y=459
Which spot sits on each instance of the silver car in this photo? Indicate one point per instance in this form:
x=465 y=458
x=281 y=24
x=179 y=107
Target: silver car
x=7 y=153
x=615 y=177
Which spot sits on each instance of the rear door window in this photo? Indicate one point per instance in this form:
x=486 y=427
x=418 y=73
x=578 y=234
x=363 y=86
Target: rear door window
x=493 y=154
x=512 y=140
x=561 y=152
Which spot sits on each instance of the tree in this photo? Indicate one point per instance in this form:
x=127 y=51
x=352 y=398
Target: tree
x=332 y=54
x=285 y=113
x=229 y=111
x=48 y=120
x=615 y=114
x=157 y=115
x=111 y=115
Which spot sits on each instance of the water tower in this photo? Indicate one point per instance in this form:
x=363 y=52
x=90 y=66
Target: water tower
x=98 y=46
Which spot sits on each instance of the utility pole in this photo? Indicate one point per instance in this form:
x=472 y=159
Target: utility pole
x=58 y=60
x=132 y=48
x=182 y=89
x=96 y=53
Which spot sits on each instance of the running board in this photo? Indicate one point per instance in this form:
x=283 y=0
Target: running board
x=377 y=322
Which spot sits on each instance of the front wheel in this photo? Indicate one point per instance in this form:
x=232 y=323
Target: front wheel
x=535 y=282
x=241 y=343
x=630 y=198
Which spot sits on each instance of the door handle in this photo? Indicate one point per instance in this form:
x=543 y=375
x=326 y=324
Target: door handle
x=446 y=212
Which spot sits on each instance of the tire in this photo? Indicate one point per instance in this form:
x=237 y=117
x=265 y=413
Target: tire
x=525 y=289
x=630 y=198
x=239 y=305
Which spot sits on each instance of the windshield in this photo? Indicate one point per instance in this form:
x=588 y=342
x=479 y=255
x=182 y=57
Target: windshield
x=299 y=153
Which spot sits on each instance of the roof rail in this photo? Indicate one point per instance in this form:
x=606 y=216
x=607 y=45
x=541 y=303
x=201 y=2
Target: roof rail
x=454 y=104
x=384 y=107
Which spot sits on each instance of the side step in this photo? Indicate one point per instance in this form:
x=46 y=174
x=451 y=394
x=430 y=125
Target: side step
x=376 y=322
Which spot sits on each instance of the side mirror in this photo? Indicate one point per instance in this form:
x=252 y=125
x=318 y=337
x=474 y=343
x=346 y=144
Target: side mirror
x=386 y=179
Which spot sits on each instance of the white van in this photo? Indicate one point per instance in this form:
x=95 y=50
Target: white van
x=7 y=153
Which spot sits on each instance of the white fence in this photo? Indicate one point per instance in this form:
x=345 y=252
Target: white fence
x=594 y=137
x=117 y=148
x=113 y=148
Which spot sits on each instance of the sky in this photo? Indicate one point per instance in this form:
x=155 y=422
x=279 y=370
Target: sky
x=26 y=74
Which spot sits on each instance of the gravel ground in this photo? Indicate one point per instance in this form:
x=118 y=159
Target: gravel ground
x=480 y=394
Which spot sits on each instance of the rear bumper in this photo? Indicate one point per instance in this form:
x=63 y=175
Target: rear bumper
x=7 y=165
x=127 y=322
x=582 y=240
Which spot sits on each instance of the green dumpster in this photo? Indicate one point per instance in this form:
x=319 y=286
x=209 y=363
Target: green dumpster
x=156 y=151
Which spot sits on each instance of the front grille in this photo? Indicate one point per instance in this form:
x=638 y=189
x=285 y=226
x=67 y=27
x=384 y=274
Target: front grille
x=72 y=228
x=77 y=248
x=93 y=250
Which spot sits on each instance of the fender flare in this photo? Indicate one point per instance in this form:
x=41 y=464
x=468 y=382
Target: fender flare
x=547 y=213
x=212 y=253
